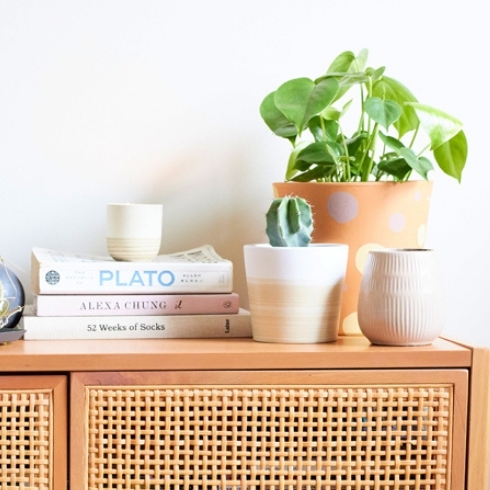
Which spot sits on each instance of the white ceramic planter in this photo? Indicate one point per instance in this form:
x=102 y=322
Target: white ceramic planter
x=295 y=292
x=401 y=297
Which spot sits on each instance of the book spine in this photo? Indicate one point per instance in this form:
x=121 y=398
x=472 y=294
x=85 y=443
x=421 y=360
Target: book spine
x=174 y=280
x=135 y=305
x=143 y=327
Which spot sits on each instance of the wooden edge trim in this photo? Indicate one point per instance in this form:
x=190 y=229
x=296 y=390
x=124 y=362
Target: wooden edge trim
x=59 y=448
x=78 y=434
x=478 y=455
x=478 y=449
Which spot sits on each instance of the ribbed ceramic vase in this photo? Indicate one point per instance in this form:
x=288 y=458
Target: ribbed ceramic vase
x=401 y=297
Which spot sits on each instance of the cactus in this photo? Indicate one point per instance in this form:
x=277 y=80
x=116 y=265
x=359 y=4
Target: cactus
x=289 y=222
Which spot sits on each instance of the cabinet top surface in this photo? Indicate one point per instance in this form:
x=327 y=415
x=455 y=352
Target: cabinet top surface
x=220 y=354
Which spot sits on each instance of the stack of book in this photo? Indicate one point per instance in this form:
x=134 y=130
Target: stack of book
x=182 y=295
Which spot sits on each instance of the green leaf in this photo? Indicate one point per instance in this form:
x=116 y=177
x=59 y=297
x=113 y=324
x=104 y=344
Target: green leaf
x=355 y=142
x=377 y=74
x=316 y=128
x=349 y=69
x=383 y=112
x=275 y=119
x=316 y=173
x=390 y=141
x=421 y=165
x=291 y=170
x=322 y=129
x=451 y=156
x=389 y=88
x=301 y=99
x=397 y=167
x=341 y=63
x=348 y=62
x=315 y=153
x=331 y=114
x=336 y=150
x=440 y=126
x=332 y=129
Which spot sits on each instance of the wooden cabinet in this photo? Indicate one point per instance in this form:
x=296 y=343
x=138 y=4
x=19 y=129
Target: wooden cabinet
x=33 y=431
x=241 y=414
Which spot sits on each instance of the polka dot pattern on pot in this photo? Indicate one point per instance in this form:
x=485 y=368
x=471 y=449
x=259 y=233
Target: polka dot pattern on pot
x=366 y=216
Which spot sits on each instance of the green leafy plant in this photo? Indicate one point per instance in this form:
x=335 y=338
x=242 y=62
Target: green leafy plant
x=390 y=135
x=289 y=222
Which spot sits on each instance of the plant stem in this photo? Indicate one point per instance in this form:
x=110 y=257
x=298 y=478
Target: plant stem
x=414 y=136
x=324 y=131
x=421 y=152
x=367 y=167
x=345 y=164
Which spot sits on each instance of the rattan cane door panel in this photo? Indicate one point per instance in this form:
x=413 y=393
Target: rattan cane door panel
x=321 y=430
x=32 y=422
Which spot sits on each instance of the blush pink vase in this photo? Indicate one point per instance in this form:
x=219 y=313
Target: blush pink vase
x=401 y=297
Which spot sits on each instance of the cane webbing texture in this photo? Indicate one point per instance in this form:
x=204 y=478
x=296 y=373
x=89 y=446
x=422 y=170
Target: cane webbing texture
x=25 y=439
x=269 y=437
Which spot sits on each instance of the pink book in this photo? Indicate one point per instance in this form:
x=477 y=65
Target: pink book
x=135 y=304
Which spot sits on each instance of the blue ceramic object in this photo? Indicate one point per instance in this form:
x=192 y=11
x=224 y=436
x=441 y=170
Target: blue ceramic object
x=13 y=292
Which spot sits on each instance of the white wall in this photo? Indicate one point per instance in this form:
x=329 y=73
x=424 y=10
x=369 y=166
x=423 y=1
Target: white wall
x=157 y=101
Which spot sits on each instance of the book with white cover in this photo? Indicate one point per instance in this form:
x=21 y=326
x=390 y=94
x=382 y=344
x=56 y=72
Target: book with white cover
x=137 y=327
x=199 y=270
x=135 y=304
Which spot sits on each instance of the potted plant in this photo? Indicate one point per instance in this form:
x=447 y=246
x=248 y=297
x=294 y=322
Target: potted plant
x=358 y=140
x=294 y=287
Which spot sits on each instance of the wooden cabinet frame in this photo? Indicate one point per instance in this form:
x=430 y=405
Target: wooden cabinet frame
x=309 y=381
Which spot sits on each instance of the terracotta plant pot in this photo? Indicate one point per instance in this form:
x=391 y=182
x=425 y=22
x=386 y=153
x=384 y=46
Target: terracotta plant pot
x=366 y=216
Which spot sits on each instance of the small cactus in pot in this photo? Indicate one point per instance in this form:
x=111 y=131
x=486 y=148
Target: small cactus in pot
x=294 y=287
x=289 y=222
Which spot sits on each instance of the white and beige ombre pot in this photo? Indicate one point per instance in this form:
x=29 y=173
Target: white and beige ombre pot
x=295 y=292
x=401 y=299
